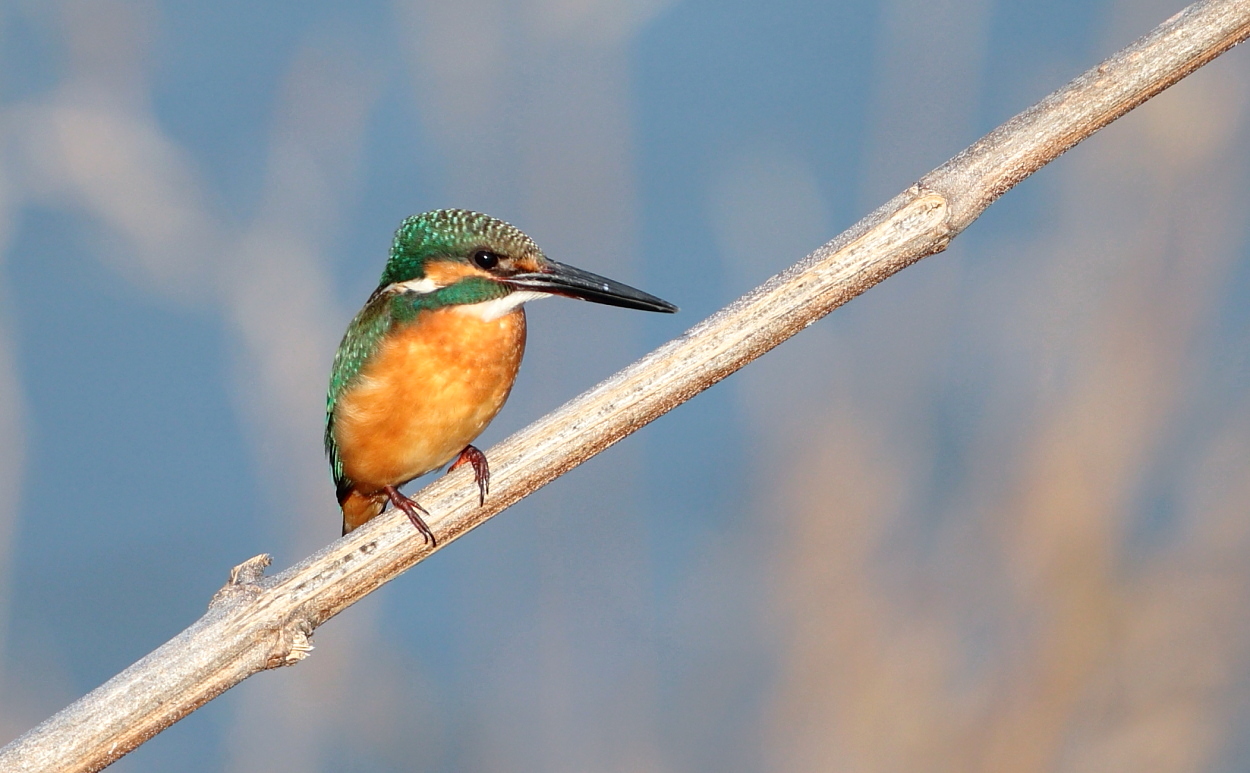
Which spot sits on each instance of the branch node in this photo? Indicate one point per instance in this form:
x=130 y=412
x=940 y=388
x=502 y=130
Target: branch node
x=244 y=581
x=293 y=644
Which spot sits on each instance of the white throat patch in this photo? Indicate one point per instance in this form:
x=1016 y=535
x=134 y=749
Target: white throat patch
x=489 y=311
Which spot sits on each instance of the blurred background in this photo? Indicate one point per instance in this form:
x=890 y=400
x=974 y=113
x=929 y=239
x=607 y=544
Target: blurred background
x=994 y=515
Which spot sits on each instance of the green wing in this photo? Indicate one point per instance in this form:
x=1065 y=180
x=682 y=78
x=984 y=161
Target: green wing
x=359 y=343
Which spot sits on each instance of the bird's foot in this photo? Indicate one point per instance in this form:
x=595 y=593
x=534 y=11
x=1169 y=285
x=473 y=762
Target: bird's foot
x=481 y=470
x=414 y=512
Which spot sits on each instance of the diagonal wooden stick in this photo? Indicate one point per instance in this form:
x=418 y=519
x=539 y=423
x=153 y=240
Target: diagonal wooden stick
x=255 y=623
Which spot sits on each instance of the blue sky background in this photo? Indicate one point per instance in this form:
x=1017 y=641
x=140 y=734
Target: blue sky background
x=993 y=515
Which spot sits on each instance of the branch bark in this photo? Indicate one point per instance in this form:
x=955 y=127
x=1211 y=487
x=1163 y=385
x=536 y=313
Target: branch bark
x=255 y=623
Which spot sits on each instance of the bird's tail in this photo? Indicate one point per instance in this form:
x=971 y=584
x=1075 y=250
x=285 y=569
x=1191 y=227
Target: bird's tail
x=358 y=508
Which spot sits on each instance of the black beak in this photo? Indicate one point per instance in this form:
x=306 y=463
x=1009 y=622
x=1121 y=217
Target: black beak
x=561 y=279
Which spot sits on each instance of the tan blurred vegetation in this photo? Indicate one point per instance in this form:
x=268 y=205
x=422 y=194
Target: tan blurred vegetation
x=1029 y=629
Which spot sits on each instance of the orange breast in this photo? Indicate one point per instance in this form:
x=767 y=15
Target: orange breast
x=428 y=391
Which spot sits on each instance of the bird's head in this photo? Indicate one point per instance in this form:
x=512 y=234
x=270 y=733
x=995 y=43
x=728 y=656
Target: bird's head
x=468 y=258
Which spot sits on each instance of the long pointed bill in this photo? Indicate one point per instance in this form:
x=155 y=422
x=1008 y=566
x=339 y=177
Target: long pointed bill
x=561 y=279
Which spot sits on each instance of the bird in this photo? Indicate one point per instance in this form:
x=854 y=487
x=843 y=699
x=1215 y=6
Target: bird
x=430 y=359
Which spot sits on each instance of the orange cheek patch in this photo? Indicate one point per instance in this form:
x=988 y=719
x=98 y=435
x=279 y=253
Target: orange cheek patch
x=445 y=273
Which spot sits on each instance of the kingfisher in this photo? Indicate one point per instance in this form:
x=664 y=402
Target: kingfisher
x=430 y=359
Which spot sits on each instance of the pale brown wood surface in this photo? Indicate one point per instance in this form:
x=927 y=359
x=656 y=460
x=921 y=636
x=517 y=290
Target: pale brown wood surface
x=256 y=623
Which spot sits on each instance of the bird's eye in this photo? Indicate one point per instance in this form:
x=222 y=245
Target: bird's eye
x=486 y=259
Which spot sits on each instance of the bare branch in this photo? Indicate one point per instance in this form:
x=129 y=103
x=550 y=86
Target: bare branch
x=256 y=623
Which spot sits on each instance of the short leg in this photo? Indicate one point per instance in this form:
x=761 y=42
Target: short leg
x=481 y=470
x=413 y=511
